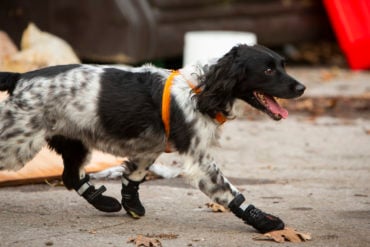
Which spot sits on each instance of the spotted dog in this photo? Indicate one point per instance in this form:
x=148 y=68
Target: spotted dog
x=120 y=110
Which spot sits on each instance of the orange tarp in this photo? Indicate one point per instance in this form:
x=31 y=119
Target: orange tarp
x=48 y=165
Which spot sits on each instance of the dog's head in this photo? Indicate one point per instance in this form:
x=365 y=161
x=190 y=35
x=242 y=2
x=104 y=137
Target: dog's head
x=254 y=74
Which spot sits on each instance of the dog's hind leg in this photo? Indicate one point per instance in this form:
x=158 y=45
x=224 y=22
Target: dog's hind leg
x=134 y=175
x=21 y=138
x=75 y=155
x=203 y=172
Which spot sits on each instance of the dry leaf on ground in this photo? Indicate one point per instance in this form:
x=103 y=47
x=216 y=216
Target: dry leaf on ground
x=288 y=234
x=163 y=235
x=217 y=208
x=142 y=241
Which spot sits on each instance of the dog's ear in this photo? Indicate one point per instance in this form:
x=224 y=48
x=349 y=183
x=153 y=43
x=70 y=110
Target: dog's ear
x=217 y=86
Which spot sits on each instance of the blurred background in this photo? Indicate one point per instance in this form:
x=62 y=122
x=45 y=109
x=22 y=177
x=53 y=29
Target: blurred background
x=138 y=31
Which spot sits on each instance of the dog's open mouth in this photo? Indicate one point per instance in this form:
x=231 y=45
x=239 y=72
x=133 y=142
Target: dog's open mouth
x=271 y=106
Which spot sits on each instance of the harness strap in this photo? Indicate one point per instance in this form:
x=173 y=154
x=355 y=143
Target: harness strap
x=220 y=118
x=166 y=102
x=166 y=105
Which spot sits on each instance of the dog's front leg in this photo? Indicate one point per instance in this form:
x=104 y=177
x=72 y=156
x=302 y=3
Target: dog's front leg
x=134 y=174
x=203 y=172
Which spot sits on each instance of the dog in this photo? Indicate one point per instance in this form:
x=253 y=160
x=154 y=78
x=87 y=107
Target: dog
x=139 y=113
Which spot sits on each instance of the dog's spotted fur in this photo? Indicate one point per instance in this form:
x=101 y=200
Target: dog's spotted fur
x=76 y=108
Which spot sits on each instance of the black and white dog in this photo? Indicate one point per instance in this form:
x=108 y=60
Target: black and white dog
x=119 y=110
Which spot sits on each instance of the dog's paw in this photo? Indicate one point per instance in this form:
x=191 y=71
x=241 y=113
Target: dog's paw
x=103 y=203
x=106 y=204
x=133 y=206
x=262 y=221
x=255 y=217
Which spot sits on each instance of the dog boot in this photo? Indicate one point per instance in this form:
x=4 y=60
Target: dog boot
x=130 y=198
x=96 y=198
x=253 y=216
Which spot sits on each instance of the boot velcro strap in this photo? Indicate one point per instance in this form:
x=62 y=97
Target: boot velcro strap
x=126 y=196
x=237 y=201
x=234 y=205
x=83 y=188
x=95 y=193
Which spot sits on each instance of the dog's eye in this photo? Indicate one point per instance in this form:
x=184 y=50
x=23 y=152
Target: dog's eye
x=269 y=71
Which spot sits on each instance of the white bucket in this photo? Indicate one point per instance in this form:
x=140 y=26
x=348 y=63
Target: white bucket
x=202 y=45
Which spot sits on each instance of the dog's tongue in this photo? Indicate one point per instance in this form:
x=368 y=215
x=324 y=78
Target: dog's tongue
x=275 y=108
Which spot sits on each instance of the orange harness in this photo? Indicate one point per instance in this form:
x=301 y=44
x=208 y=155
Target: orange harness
x=166 y=105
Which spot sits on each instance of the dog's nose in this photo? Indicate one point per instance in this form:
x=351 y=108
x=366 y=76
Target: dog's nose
x=299 y=88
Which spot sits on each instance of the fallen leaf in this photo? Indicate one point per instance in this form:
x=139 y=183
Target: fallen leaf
x=360 y=195
x=54 y=183
x=287 y=234
x=198 y=239
x=217 y=208
x=49 y=243
x=152 y=176
x=328 y=75
x=163 y=236
x=142 y=241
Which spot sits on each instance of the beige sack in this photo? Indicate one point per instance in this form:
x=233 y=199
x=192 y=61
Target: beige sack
x=38 y=49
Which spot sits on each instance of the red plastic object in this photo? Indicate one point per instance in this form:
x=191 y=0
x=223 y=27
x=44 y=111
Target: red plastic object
x=351 y=22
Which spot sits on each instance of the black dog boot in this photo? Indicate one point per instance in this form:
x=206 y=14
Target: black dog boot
x=130 y=198
x=253 y=216
x=95 y=197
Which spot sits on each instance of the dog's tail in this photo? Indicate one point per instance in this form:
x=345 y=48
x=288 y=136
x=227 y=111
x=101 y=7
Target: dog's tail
x=8 y=81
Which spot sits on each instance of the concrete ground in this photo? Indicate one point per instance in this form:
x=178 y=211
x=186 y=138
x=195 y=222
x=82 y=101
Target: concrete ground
x=314 y=173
